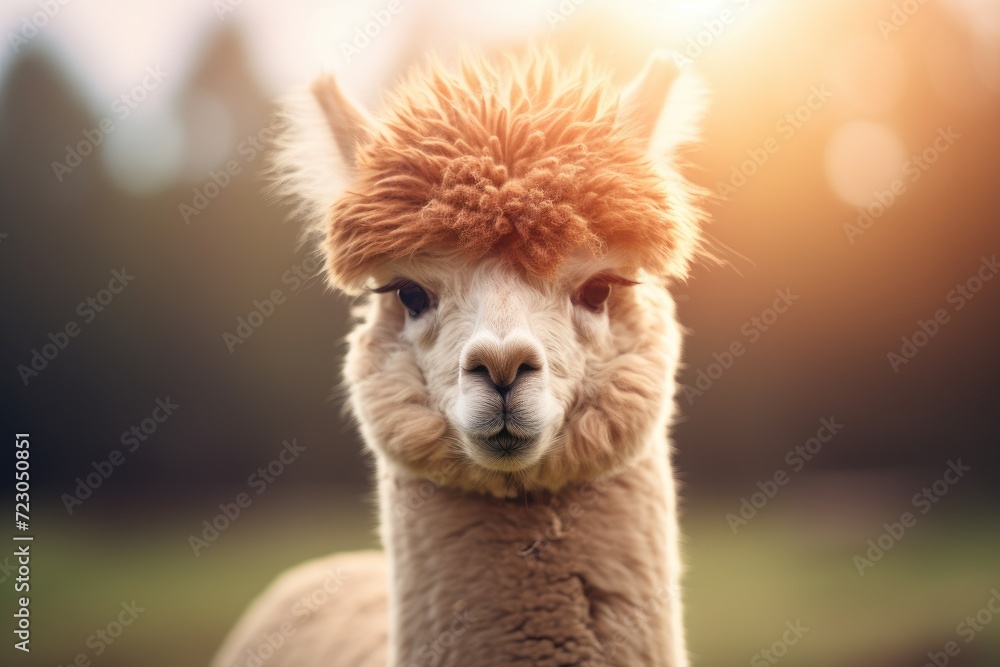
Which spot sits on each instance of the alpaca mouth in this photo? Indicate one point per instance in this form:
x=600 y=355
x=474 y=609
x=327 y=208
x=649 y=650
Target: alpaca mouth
x=503 y=450
x=504 y=443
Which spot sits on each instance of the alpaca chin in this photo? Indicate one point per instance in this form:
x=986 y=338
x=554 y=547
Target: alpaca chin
x=510 y=463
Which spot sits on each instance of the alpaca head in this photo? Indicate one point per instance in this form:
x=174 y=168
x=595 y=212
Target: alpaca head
x=513 y=228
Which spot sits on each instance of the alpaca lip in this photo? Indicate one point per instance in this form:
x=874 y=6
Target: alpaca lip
x=503 y=450
x=506 y=443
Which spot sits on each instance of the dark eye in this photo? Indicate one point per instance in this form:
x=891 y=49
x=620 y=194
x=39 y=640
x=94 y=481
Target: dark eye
x=414 y=299
x=594 y=293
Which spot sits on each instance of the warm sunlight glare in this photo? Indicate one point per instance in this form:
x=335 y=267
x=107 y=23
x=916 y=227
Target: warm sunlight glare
x=870 y=74
x=863 y=159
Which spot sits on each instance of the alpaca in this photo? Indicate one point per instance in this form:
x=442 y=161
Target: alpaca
x=511 y=229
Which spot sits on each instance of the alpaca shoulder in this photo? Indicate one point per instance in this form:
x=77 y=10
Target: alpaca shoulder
x=330 y=611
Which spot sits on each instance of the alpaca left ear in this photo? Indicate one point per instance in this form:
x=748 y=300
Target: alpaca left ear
x=348 y=123
x=664 y=105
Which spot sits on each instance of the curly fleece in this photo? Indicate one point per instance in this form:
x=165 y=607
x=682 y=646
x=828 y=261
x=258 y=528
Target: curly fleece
x=527 y=161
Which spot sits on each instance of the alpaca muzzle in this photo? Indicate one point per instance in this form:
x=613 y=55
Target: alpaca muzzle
x=503 y=386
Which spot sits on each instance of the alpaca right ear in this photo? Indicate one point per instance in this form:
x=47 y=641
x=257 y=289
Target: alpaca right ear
x=664 y=107
x=317 y=151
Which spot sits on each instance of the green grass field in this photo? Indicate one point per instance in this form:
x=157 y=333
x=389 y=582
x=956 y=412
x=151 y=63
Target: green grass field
x=740 y=589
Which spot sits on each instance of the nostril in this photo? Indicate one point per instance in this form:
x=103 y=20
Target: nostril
x=501 y=363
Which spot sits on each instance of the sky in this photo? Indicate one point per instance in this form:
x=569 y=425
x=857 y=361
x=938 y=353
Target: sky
x=108 y=47
x=104 y=42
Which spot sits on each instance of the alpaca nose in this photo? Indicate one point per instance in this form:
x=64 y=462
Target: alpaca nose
x=502 y=363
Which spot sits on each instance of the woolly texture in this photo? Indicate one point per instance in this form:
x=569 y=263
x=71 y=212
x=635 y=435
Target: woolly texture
x=621 y=403
x=528 y=162
x=567 y=558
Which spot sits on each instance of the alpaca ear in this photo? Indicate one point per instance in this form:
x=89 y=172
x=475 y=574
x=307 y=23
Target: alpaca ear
x=317 y=152
x=664 y=105
x=348 y=123
x=663 y=108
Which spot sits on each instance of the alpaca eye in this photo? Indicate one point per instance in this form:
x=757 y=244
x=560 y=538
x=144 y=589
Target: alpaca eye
x=414 y=299
x=594 y=293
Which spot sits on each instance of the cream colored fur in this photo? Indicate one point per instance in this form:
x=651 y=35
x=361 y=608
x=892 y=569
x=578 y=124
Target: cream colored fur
x=562 y=551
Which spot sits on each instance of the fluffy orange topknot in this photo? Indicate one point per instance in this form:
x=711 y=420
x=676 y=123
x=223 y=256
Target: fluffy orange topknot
x=528 y=161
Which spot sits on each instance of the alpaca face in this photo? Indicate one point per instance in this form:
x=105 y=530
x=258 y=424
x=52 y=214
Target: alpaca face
x=478 y=375
x=515 y=228
x=504 y=355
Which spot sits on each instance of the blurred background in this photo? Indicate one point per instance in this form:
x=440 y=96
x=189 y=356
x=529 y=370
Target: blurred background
x=839 y=365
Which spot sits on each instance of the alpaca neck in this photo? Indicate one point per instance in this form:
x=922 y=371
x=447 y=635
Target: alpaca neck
x=587 y=575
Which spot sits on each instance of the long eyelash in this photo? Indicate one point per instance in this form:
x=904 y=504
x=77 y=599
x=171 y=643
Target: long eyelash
x=391 y=286
x=611 y=278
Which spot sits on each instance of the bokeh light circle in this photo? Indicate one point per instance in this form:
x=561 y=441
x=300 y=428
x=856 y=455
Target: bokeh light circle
x=862 y=159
